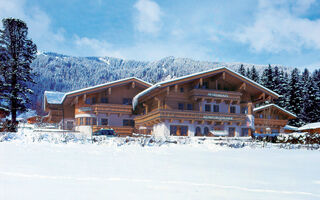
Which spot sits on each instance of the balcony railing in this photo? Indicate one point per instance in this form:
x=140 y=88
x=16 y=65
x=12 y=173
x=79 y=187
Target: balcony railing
x=216 y=94
x=161 y=114
x=106 y=108
x=270 y=122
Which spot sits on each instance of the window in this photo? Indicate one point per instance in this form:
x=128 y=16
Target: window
x=261 y=116
x=181 y=89
x=232 y=109
x=81 y=120
x=231 y=132
x=184 y=130
x=206 y=131
x=244 y=132
x=198 y=131
x=207 y=108
x=94 y=121
x=205 y=85
x=88 y=120
x=104 y=100
x=173 y=130
x=104 y=121
x=215 y=108
x=244 y=110
x=126 y=101
x=180 y=106
x=274 y=131
x=261 y=130
x=128 y=122
x=93 y=100
x=189 y=106
x=87 y=101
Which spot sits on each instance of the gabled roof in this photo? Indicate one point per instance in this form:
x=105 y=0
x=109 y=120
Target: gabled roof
x=310 y=126
x=59 y=97
x=292 y=128
x=273 y=105
x=196 y=76
x=54 y=97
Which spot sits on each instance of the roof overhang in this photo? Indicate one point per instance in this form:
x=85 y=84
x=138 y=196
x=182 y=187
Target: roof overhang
x=274 y=106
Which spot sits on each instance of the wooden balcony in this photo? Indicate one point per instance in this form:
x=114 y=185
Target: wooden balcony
x=192 y=116
x=216 y=94
x=269 y=122
x=106 y=108
x=120 y=130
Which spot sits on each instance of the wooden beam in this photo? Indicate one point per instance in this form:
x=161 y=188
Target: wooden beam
x=133 y=84
x=109 y=91
x=168 y=90
x=201 y=82
x=223 y=75
x=243 y=86
x=84 y=97
x=175 y=88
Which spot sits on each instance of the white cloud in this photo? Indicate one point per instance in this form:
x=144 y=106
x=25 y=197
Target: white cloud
x=148 y=19
x=279 y=27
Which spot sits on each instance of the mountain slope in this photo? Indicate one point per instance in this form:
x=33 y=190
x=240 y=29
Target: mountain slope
x=64 y=73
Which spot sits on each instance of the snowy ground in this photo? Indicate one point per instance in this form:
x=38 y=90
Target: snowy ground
x=42 y=170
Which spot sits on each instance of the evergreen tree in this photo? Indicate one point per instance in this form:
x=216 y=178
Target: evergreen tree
x=267 y=78
x=16 y=54
x=281 y=87
x=312 y=104
x=248 y=73
x=254 y=74
x=296 y=97
x=242 y=70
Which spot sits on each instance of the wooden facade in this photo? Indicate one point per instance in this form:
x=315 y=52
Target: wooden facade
x=271 y=118
x=212 y=103
x=218 y=102
x=103 y=106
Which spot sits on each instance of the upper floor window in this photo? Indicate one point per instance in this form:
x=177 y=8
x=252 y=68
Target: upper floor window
x=215 y=108
x=88 y=101
x=232 y=109
x=207 y=108
x=180 y=106
x=127 y=101
x=205 y=85
x=189 y=106
x=181 y=89
x=244 y=110
x=81 y=121
x=261 y=116
x=93 y=100
x=104 y=100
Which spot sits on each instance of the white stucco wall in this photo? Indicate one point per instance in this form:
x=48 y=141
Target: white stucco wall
x=87 y=130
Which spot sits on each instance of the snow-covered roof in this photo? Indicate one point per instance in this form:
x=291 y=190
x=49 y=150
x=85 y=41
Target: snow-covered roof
x=157 y=85
x=272 y=104
x=310 y=126
x=59 y=97
x=292 y=128
x=54 y=97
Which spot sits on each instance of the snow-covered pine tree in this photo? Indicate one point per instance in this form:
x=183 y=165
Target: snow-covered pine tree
x=242 y=70
x=296 y=97
x=248 y=73
x=267 y=78
x=281 y=87
x=312 y=103
x=254 y=74
x=17 y=53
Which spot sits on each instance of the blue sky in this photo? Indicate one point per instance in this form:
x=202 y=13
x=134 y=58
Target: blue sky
x=261 y=32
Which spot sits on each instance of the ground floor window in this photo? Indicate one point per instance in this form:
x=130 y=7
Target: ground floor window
x=178 y=130
x=128 y=122
x=69 y=125
x=231 y=132
x=244 y=132
x=198 y=131
x=206 y=131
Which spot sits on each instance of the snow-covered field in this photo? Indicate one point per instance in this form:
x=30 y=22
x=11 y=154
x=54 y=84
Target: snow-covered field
x=43 y=170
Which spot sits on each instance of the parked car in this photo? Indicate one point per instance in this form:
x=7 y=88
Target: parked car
x=105 y=132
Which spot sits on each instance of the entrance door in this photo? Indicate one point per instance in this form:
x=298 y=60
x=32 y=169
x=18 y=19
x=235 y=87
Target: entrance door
x=69 y=125
x=232 y=131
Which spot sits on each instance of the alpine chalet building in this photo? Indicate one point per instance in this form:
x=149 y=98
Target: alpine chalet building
x=218 y=102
